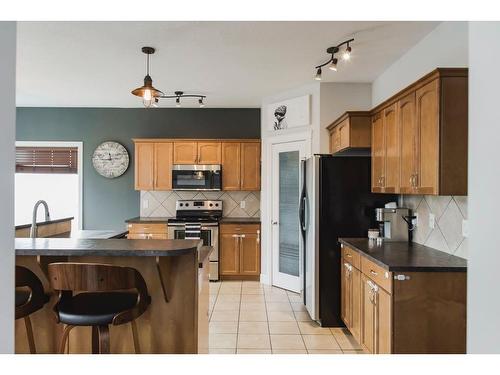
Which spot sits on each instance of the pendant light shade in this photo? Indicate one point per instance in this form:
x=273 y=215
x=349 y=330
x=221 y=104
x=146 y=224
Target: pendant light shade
x=147 y=91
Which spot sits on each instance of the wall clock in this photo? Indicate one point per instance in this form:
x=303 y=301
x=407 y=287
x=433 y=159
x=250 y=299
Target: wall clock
x=110 y=159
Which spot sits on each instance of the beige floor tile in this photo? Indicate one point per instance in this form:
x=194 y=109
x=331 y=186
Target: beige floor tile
x=252 y=298
x=298 y=306
x=226 y=306
x=325 y=351
x=295 y=298
x=253 y=351
x=225 y=316
x=348 y=351
x=229 y=291
x=315 y=342
x=287 y=342
x=302 y=316
x=283 y=328
x=253 y=306
x=253 y=342
x=253 y=316
x=313 y=328
x=345 y=339
x=250 y=283
x=228 y=298
x=253 y=328
x=278 y=306
x=272 y=297
x=223 y=327
x=221 y=351
x=281 y=316
x=222 y=341
x=289 y=351
x=252 y=291
x=275 y=290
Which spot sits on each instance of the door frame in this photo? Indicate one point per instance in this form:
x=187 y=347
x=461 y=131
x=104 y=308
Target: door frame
x=266 y=195
x=79 y=146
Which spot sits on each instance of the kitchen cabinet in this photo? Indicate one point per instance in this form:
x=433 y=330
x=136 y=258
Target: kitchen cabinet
x=153 y=165
x=250 y=166
x=239 y=251
x=188 y=152
x=209 y=152
x=163 y=161
x=351 y=130
x=420 y=137
x=147 y=231
x=231 y=165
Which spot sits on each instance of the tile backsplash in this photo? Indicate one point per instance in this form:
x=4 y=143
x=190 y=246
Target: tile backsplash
x=162 y=203
x=449 y=214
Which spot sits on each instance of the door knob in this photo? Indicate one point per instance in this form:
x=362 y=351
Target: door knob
x=274 y=223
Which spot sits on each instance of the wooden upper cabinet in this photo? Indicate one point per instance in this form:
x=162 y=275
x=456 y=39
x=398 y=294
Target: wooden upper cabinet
x=408 y=137
x=209 y=153
x=351 y=130
x=231 y=168
x=390 y=177
x=427 y=140
x=250 y=166
x=378 y=153
x=144 y=166
x=185 y=152
x=163 y=161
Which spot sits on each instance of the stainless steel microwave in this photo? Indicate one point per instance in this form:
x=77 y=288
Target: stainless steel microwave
x=196 y=177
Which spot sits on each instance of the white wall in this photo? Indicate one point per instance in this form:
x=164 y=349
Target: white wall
x=484 y=179
x=7 y=140
x=445 y=46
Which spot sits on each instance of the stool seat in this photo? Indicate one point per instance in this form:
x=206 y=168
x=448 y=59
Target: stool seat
x=94 y=309
x=22 y=296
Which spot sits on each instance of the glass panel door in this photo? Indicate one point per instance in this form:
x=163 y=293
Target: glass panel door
x=287 y=242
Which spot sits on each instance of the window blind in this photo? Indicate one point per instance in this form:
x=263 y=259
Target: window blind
x=46 y=160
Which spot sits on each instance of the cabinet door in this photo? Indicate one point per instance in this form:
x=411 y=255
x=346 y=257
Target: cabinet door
x=408 y=136
x=333 y=133
x=250 y=166
x=355 y=327
x=229 y=254
x=390 y=178
x=209 y=152
x=250 y=254
x=144 y=166
x=163 y=166
x=343 y=134
x=383 y=322
x=185 y=152
x=231 y=166
x=367 y=315
x=378 y=152
x=345 y=293
x=427 y=104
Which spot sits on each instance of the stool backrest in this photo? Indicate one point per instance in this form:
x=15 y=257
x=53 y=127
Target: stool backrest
x=38 y=298
x=92 y=277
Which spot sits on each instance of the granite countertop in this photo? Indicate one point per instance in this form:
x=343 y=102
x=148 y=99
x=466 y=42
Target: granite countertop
x=41 y=223
x=103 y=247
x=98 y=234
x=140 y=219
x=240 y=220
x=403 y=256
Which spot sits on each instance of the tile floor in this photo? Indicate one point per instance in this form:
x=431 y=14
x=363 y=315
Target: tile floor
x=247 y=317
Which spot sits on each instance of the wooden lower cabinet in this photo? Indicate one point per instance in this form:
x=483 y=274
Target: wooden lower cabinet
x=147 y=231
x=403 y=312
x=239 y=251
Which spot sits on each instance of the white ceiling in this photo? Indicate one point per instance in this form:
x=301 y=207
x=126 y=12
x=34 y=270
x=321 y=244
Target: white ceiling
x=97 y=64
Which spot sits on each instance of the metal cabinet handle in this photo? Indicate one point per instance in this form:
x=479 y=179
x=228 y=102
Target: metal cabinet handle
x=258 y=236
x=235 y=235
x=373 y=273
x=242 y=236
x=348 y=255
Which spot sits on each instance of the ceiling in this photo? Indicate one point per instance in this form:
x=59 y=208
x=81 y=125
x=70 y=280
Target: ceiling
x=236 y=64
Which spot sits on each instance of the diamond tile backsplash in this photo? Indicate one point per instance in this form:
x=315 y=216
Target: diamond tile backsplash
x=162 y=203
x=449 y=213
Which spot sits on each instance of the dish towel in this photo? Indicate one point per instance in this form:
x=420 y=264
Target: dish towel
x=192 y=231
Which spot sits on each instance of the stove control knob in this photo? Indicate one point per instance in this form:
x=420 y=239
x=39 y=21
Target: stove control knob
x=181 y=204
x=217 y=205
x=211 y=204
x=187 y=204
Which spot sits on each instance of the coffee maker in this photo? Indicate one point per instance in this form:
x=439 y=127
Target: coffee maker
x=394 y=223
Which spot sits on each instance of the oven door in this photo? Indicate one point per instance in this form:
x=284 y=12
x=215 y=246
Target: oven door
x=196 y=177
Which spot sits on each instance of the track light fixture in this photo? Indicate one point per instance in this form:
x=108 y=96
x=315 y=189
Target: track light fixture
x=151 y=96
x=332 y=62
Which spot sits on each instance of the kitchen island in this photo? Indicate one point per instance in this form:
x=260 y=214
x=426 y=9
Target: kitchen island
x=176 y=274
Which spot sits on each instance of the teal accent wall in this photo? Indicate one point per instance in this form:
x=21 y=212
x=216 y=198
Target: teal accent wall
x=108 y=202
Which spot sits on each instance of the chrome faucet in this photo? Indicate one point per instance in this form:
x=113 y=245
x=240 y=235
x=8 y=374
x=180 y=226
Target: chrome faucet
x=34 y=227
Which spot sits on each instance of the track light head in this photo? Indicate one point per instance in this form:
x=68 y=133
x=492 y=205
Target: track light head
x=333 y=64
x=201 y=103
x=347 y=53
x=178 y=102
x=317 y=77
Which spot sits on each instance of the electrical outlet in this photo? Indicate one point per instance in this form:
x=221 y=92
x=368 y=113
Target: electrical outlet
x=243 y=204
x=465 y=228
x=145 y=203
x=432 y=221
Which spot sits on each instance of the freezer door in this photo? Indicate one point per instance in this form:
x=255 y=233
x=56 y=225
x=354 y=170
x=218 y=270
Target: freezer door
x=311 y=251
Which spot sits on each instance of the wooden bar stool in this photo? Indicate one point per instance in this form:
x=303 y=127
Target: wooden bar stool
x=30 y=297
x=104 y=297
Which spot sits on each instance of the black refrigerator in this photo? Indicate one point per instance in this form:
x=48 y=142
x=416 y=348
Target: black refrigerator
x=336 y=201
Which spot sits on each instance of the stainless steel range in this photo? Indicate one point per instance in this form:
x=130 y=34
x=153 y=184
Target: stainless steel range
x=206 y=213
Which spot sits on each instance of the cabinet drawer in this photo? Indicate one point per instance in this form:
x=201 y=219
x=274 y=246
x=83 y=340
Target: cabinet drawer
x=239 y=228
x=381 y=277
x=147 y=228
x=351 y=256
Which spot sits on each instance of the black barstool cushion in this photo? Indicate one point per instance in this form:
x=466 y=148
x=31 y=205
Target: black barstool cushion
x=93 y=309
x=22 y=296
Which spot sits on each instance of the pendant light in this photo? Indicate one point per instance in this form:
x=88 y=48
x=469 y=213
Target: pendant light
x=147 y=91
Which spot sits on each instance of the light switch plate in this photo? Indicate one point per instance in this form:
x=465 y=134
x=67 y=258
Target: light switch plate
x=465 y=228
x=145 y=203
x=243 y=204
x=432 y=221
